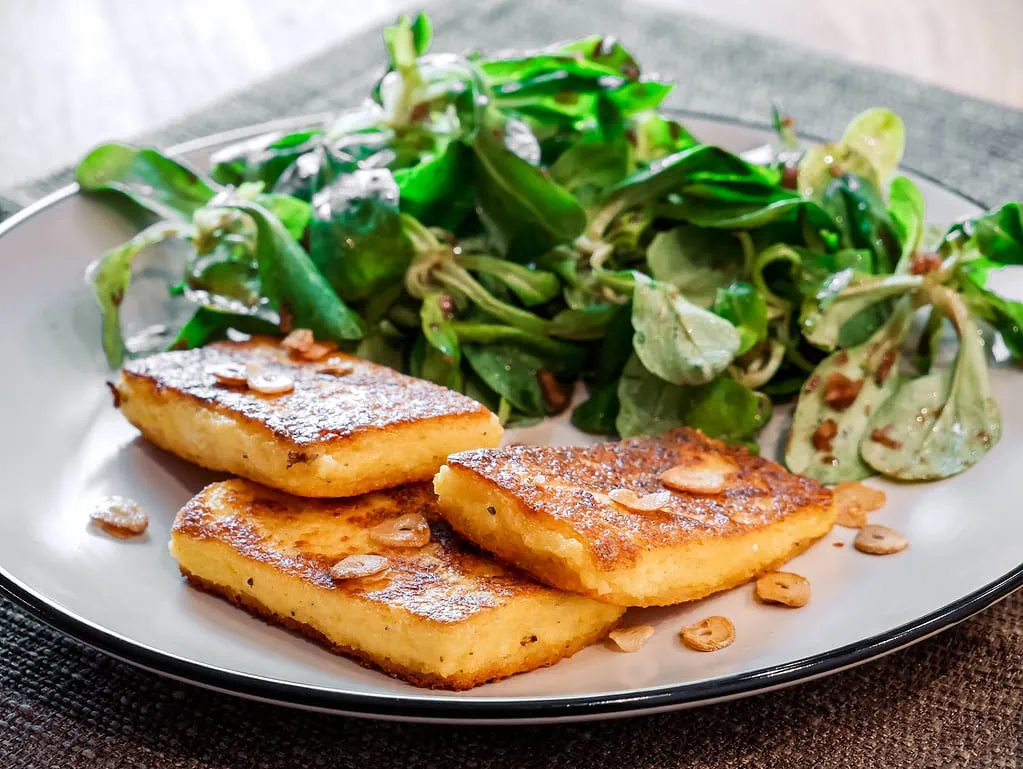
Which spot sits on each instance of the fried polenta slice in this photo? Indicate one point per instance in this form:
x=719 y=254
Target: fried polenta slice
x=443 y=615
x=331 y=436
x=549 y=510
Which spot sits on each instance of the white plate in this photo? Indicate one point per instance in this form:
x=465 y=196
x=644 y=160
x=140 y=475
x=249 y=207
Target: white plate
x=64 y=446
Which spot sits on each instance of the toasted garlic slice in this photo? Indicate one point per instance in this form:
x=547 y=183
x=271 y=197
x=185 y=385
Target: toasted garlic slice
x=120 y=516
x=412 y=530
x=645 y=503
x=784 y=587
x=230 y=374
x=298 y=341
x=880 y=540
x=358 y=566
x=270 y=383
x=853 y=500
x=709 y=635
x=336 y=368
x=318 y=351
x=630 y=639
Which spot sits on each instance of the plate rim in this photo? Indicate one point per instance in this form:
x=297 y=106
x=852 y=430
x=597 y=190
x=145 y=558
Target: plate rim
x=432 y=708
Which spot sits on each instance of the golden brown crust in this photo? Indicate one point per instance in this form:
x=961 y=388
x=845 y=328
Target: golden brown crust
x=566 y=488
x=390 y=667
x=298 y=537
x=332 y=435
x=444 y=615
x=323 y=409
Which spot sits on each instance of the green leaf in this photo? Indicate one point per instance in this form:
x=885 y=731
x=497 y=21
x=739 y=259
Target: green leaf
x=509 y=75
x=697 y=261
x=677 y=340
x=906 y=207
x=647 y=404
x=262 y=159
x=873 y=367
x=930 y=340
x=438 y=189
x=597 y=414
x=777 y=271
x=292 y=283
x=427 y=362
x=843 y=297
x=616 y=347
x=607 y=52
x=480 y=392
x=657 y=137
x=293 y=213
x=789 y=274
x=222 y=283
x=940 y=424
x=703 y=171
x=402 y=41
x=723 y=408
x=644 y=96
x=629 y=236
x=209 y=325
x=579 y=64
x=855 y=203
x=437 y=327
x=589 y=168
x=1004 y=315
x=316 y=168
x=999 y=234
x=744 y=307
x=166 y=187
x=530 y=285
x=819 y=271
x=424 y=103
x=871 y=149
x=356 y=237
x=456 y=277
x=383 y=344
x=727 y=215
x=879 y=135
x=727 y=410
x=422 y=33
x=525 y=211
x=562 y=357
x=822 y=164
x=512 y=372
x=110 y=276
x=574 y=86
x=588 y=322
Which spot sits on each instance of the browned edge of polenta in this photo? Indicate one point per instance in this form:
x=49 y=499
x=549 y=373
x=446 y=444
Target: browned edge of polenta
x=554 y=573
x=528 y=512
x=416 y=678
x=157 y=392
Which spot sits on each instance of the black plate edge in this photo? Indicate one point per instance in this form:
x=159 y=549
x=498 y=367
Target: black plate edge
x=473 y=710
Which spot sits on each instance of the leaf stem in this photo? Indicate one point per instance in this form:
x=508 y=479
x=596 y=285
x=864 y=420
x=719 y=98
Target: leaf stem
x=491 y=333
x=457 y=277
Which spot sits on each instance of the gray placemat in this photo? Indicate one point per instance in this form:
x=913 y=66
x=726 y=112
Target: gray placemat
x=955 y=700
x=971 y=145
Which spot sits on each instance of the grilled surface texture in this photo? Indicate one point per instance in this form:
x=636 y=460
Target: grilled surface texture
x=332 y=436
x=444 y=616
x=547 y=510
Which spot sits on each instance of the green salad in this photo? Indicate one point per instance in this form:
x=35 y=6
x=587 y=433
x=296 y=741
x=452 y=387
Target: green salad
x=509 y=225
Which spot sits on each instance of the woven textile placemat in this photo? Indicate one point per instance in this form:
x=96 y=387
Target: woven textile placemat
x=954 y=700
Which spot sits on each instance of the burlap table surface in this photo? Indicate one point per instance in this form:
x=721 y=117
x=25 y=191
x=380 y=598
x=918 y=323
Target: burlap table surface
x=953 y=700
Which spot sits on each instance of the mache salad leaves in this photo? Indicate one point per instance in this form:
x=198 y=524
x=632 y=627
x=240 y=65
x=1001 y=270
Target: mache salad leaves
x=507 y=225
